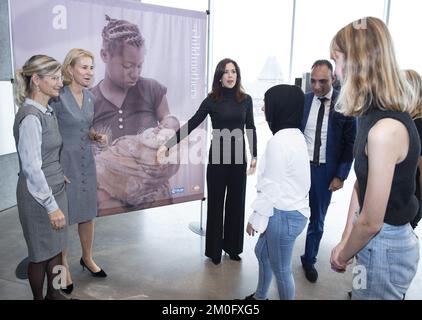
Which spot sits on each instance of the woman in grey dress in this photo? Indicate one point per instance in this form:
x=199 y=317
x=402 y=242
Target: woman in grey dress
x=41 y=196
x=75 y=110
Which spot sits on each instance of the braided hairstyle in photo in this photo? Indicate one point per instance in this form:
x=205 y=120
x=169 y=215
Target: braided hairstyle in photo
x=117 y=33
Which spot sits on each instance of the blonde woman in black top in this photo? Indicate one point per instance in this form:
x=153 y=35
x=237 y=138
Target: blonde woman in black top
x=386 y=154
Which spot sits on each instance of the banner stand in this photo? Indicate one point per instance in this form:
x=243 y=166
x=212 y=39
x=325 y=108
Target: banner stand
x=197 y=227
x=194 y=226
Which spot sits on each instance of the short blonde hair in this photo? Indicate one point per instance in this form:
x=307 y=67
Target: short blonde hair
x=70 y=60
x=41 y=65
x=415 y=81
x=372 y=78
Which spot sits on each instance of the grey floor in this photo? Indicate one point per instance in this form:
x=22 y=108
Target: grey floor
x=153 y=254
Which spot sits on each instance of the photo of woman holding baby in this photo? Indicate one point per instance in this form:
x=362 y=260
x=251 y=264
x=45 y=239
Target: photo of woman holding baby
x=126 y=105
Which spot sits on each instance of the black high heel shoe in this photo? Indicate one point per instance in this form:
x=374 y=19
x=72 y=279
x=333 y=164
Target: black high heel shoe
x=68 y=289
x=98 y=274
x=235 y=257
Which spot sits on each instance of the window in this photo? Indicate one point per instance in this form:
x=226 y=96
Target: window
x=405 y=24
x=257 y=35
x=318 y=21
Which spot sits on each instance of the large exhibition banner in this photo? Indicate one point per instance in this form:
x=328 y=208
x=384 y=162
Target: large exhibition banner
x=159 y=55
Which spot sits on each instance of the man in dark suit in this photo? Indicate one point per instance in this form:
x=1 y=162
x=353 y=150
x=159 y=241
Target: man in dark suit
x=330 y=137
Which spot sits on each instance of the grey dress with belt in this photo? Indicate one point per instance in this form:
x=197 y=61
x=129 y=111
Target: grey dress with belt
x=40 y=188
x=77 y=157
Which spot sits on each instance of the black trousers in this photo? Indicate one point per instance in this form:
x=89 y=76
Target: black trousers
x=226 y=209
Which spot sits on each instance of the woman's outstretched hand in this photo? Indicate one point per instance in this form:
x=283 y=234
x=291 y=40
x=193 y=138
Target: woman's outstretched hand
x=162 y=153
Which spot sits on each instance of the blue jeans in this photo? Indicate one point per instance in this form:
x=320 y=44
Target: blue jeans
x=274 y=253
x=386 y=266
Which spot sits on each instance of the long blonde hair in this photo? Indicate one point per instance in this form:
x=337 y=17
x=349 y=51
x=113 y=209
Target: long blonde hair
x=70 y=60
x=372 y=77
x=41 y=65
x=415 y=81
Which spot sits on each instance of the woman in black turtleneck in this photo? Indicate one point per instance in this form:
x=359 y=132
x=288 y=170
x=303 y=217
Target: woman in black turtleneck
x=231 y=111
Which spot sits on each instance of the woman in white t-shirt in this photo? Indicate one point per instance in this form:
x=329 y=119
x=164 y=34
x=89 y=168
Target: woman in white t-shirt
x=281 y=208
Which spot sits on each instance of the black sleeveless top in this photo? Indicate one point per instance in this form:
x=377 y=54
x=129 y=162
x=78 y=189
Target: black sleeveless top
x=402 y=204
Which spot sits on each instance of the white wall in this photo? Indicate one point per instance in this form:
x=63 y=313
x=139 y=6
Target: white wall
x=7 y=114
x=405 y=25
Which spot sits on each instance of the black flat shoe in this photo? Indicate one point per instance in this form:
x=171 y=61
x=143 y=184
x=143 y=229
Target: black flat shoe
x=310 y=272
x=68 y=289
x=216 y=261
x=98 y=274
x=249 y=297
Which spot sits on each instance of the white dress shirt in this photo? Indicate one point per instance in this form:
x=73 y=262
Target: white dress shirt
x=310 y=127
x=284 y=178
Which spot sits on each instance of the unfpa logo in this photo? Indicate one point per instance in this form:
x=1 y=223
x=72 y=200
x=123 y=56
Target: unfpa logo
x=177 y=190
